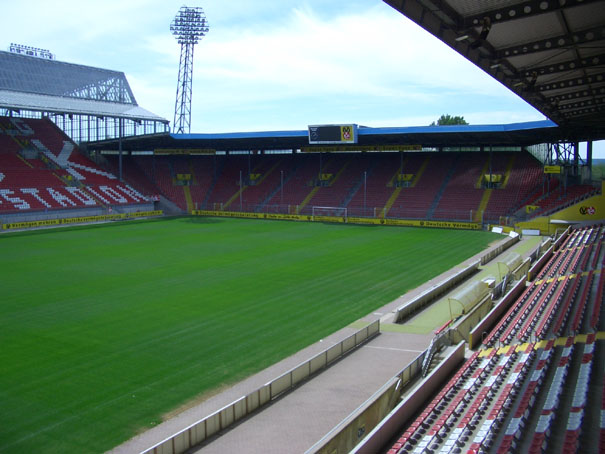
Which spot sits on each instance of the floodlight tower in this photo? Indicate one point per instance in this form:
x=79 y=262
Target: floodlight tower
x=189 y=26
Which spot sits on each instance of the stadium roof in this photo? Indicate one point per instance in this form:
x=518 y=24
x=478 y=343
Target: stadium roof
x=549 y=52
x=38 y=84
x=518 y=134
x=65 y=105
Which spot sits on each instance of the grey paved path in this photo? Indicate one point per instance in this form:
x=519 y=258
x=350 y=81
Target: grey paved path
x=295 y=422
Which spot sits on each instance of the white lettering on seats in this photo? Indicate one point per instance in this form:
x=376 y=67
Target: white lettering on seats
x=60 y=198
x=34 y=192
x=133 y=193
x=81 y=196
x=65 y=153
x=76 y=175
x=16 y=201
x=111 y=176
x=22 y=127
x=97 y=195
x=115 y=195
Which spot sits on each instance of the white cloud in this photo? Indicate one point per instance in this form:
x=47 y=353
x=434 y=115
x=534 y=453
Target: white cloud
x=374 y=56
x=273 y=64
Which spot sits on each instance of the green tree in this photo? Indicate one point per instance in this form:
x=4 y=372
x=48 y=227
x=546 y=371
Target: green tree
x=447 y=119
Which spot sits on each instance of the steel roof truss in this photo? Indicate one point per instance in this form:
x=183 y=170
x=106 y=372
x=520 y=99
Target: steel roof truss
x=571 y=83
x=565 y=41
x=564 y=66
x=523 y=9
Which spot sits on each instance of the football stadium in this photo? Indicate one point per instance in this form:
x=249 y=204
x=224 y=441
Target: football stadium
x=334 y=289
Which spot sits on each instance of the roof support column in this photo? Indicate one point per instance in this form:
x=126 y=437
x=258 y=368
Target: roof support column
x=120 y=148
x=576 y=159
x=589 y=159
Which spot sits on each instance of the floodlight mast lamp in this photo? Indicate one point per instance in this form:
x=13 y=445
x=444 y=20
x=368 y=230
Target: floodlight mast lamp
x=189 y=26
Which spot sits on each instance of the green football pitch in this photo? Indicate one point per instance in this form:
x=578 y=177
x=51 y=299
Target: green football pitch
x=104 y=329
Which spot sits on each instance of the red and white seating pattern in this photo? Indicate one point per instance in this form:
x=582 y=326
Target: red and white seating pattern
x=27 y=186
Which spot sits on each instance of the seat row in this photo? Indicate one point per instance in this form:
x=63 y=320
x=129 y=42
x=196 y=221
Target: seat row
x=596 y=310
x=555 y=261
x=515 y=428
x=551 y=406
x=527 y=312
x=580 y=307
x=549 y=302
x=469 y=411
x=559 y=304
x=510 y=315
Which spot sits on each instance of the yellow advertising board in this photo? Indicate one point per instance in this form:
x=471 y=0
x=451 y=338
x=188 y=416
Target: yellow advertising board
x=183 y=151
x=81 y=220
x=405 y=177
x=340 y=219
x=493 y=178
x=552 y=169
x=341 y=148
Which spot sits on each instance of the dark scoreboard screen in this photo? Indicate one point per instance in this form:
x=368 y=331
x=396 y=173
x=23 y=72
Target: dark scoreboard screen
x=333 y=134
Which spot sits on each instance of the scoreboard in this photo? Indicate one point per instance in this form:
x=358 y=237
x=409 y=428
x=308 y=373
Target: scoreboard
x=332 y=134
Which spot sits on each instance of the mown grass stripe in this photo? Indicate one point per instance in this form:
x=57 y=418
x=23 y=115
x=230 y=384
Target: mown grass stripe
x=105 y=329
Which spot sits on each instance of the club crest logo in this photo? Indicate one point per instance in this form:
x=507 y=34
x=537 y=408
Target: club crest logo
x=347 y=132
x=587 y=211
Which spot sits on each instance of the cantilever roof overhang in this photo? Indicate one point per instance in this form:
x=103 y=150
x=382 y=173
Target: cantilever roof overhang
x=13 y=100
x=517 y=134
x=551 y=53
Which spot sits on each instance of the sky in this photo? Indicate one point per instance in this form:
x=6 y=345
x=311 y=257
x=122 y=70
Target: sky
x=273 y=64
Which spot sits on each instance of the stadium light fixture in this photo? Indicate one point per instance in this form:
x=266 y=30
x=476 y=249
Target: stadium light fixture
x=189 y=26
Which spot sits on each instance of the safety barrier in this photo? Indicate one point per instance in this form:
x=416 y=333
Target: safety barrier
x=499 y=249
x=536 y=267
x=205 y=428
x=495 y=314
x=561 y=238
x=429 y=295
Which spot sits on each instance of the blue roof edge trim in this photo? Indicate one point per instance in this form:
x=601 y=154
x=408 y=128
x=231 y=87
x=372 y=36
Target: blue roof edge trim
x=366 y=131
x=459 y=128
x=241 y=135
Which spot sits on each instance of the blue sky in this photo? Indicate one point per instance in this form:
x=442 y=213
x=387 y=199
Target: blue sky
x=273 y=64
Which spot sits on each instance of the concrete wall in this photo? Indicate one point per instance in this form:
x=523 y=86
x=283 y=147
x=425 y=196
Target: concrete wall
x=499 y=249
x=241 y=408
x=429 y=295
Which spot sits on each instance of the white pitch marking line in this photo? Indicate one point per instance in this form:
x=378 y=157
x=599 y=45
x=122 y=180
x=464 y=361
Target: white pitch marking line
x=395 y=349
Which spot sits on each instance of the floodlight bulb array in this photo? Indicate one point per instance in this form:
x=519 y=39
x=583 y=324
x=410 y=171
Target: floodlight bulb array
x=189 y=25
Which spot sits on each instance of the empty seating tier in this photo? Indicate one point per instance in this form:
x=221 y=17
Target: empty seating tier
x=41 y=170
